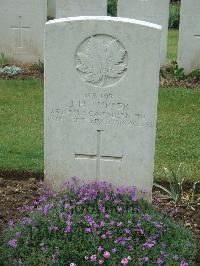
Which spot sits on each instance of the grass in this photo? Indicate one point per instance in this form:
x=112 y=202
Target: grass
x=178 y=131
x=21 y=140
x=172 y=45
x=21 y=129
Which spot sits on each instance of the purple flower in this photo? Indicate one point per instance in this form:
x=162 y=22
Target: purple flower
x=114 y=250
x=102 y=224
x=127 y=231
x=111 y=223
x=67 y=229
x=88 y=230
x=133 y=193
x=184 y=263
x=13 y=243
x=100 y=248
x=27 y=221
x=103 y=236
x=18 y=235
x=160 y=262
x=68 y=206
x=53 y=228
x=157 y=225
x=121 y=190
x=45 y=210
x=119 y=224
x=149 y=244
x=108 y=234
x=93 y=258
x=147 y=218
x=102 y=209
x=42 y=199
x=11 y=223
x=119 y=209
x=175 y=257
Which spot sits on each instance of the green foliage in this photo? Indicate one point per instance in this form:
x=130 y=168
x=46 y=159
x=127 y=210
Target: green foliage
x=172 y=45
x=174 y=16
x=92 y=225
x=112 y=8
x=176 y=179
x=194 y=75
x=39 y=67
x=178 y=135
x=176 y=72
x=21 y=127
x=3 y=60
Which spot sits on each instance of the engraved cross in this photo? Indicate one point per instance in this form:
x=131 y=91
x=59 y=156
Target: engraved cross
x=20 y=29
x=98 y=157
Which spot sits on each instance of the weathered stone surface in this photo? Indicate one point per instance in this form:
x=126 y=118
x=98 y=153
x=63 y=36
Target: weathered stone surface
x=22 y=29
x=101 y=87
x=189 y=36
x=73 y=8
x=155 y=11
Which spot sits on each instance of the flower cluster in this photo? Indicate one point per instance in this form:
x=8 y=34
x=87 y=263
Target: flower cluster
x=12 y=70
x=94 y=224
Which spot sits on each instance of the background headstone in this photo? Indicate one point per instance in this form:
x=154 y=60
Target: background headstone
x=155 y=11
x=73 y=8
x=102 y=78
x=51 y=9
x=22 y=25
x=189 y=36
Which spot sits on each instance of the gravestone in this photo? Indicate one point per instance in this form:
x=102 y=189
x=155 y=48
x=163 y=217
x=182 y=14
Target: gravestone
x=100 y=100
x=155 y=11
x=22 y=29
x=73 y=8
x=189 y=36
x=51 y=9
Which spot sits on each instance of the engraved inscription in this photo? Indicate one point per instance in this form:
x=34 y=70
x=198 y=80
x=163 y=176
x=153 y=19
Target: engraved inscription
x=98 y=157
x=100 y=109
x=20 y=29
x=101 y=60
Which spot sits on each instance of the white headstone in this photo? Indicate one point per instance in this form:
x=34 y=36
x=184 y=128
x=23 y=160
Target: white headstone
x=22 y=25
x=51 y=9
x=102 y=78
x=73 y=8
x=155 y=11
x=189 y=35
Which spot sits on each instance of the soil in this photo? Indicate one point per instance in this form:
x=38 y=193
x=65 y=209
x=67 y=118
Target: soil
x=17 y=191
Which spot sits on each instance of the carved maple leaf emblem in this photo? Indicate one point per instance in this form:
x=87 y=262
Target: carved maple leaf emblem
x=102 y=61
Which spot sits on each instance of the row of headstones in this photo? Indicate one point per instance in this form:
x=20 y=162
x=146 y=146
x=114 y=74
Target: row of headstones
x=22 y=24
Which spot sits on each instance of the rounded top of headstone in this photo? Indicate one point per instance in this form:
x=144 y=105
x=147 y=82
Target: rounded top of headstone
x=105 y=18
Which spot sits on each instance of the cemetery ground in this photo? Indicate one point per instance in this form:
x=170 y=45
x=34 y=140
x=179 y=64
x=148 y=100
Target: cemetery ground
x=21 y=160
